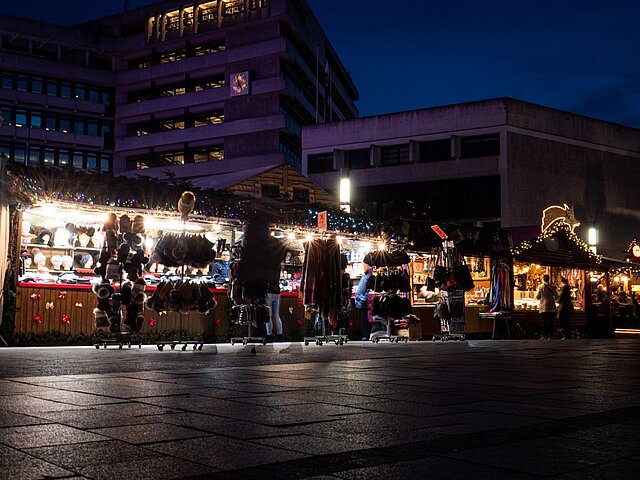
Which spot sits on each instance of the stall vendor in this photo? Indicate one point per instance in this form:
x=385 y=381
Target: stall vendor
x=219 y=270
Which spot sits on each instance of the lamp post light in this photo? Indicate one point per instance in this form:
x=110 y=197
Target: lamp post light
x=592 y=239
x=345 y=194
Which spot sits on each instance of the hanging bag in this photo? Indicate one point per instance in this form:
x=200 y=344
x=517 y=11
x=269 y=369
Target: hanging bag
x=462 y=274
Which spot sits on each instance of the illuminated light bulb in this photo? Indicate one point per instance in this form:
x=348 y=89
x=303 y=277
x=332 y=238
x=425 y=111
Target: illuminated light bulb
x=339 y=239
x=308 y=237
x=291 y=236
x=616 y=279
x=381 y=246
x=625 y=278
x=273 y=234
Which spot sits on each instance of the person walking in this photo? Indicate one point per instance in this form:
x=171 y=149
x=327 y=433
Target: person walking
x=565 y=307
x=361 y=301
x=547 y=307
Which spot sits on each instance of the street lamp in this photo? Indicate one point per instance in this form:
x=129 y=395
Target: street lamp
x=592 y=239
x=345 y=194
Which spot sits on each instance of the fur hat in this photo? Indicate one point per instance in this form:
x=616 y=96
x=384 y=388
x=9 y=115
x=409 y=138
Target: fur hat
x=103 y=289
x=101 y=318
x=45 y=237
x=125 y=223
x=113 y=269
x=186 y=204
x=111 y=239
x=137 y=226
x=139 y=286
x=131 y=316
x=123 y=253
x=115 y=302
x=125 y=292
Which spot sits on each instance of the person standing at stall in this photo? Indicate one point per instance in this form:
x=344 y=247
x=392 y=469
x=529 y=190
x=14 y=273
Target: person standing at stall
x=547 y=307
x=361 y=301
x=565 y=307
x=219 y=270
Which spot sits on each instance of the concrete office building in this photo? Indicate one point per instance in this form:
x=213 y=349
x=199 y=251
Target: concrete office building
x=495 y=163
x=199 y=89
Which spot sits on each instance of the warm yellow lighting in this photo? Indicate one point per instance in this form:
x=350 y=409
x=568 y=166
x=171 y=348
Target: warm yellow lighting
x=291 y=236
x=616 y=279
x=339 y=240
x=345 y=191
x=216 y=227
x=367 y=246
x=381 y=246
x=592 y=237
x=148 y=243
x=308 y=237
x=625 y=278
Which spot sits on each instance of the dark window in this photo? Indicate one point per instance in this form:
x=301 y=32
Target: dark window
x=7 y=80
x=49 y=157
x=107 y=97
x=50 y=122
x=435 y=150
x=65 y=124
x=21 y=118
x=22 y=83
x=80 y=91
x=94 y=95
x=19 y=155
x=78 y=160
x=65 y=90
x=320 y=163
x=78 y=126
x=63 y=158
x=36 y=120
x=105 y=162
x=36 y=85
x=92 y=161
x=357 y=159
x=7 y=114
x=106 y=129
x=92 y=128
x=270 y=191
x=300 y=195
x=480 y=146
x=34 y=156
x=52 y=87
x=395 y=154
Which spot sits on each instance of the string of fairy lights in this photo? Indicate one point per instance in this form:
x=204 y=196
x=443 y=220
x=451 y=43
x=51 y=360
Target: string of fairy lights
x=162 y=198
x=553 y=231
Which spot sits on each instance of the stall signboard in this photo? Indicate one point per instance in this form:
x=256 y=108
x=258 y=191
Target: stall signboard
x=439 y=231
x=322 y=221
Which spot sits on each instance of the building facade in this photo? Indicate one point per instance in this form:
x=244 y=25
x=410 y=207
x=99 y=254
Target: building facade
x=493 y=163
x=198 y=89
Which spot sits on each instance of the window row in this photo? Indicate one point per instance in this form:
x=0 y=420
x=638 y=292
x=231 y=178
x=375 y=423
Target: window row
x=177 y=157
x=57 y=122
x=428 y=152
x=189 y=51
x=23 y=82
x=38 y=156
x=190 y=85
x=273 y=191
x=178 y=123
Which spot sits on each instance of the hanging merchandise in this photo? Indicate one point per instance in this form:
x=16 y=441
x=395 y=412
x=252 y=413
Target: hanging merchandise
x=322 y=271
x=176 y=250
x=500 y=296
x=453 y=277
x=182 y=295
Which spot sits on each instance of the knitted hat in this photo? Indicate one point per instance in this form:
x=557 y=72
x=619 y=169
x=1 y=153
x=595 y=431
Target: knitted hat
x=125 y=292
x=186 y=204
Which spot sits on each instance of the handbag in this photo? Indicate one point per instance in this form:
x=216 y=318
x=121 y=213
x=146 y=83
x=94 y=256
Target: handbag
x=463 y=278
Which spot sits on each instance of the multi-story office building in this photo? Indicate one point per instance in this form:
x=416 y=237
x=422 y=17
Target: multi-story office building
x=199 y=89
x=495 y=162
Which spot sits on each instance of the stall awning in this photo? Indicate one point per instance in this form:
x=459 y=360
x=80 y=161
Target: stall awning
x=558 y=246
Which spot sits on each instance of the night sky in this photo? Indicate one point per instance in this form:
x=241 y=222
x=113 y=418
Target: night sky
x=580 y=56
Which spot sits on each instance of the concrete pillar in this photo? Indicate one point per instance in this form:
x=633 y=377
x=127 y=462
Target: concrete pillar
x=414 y=151
x=375 y=155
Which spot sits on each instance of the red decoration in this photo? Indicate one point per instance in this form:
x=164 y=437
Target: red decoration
x=62 y=295
x=35 y=296
x=299 y=303
x=37 y=319
x=153 y=322
x=66 y=319
x=217 y=321
x=299 y=322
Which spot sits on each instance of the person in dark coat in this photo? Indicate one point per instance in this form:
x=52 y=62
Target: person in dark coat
x=565 y=307
x=219 y=270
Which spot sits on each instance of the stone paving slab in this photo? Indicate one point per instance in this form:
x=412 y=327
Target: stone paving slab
x=477 y=409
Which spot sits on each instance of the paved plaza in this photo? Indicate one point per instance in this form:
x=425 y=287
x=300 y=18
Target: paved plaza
x=477 y=409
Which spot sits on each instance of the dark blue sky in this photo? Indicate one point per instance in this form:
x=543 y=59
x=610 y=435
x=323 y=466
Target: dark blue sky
x=580 y=56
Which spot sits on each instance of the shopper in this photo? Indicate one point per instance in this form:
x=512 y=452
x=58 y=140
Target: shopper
x=361 y=297
x=219 y=270
x=565 y=307
x=547 y=307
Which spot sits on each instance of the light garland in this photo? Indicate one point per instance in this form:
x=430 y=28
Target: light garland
x=552 y=231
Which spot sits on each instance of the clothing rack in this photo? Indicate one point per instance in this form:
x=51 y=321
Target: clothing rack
x=197 y=345
x=452 y=325
x=249 y=310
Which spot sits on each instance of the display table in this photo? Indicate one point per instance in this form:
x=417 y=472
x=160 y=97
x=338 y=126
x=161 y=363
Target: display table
x=495 y=317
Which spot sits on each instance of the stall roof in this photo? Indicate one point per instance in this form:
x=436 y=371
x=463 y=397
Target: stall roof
x=558 y=246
